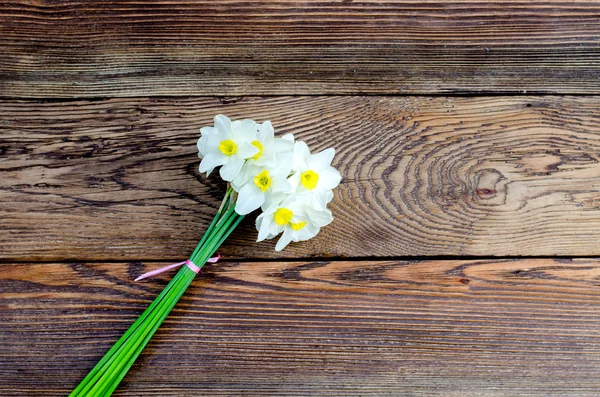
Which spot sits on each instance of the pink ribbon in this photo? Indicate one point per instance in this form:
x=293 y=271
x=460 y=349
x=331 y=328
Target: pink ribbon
x=188 y=263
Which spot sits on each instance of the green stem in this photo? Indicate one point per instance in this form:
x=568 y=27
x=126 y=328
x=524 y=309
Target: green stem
x=132 y=351
x=124 y=369
x=96 y=372
x=216 y=242
x=108 y=373
x=215 y=220
x=126 y=350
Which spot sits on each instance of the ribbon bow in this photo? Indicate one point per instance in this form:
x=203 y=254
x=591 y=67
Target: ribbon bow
x=195 y=268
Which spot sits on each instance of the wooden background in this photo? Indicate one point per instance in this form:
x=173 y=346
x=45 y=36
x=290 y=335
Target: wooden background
x=463 y=259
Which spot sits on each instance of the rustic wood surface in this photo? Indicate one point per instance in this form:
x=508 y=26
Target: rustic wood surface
x=461 y=261
x=118 y=179
x=360 y=328
x=140 y=48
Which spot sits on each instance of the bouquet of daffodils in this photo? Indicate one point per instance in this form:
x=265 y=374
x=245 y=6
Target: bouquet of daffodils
x=279 y=176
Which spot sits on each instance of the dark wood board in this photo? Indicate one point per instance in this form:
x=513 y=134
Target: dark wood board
x=145 y=48
x=487 y=176
x=359 y=328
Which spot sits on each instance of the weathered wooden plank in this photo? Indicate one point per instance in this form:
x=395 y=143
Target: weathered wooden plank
x=144 y=48
x=368 y=328
x=118 y=179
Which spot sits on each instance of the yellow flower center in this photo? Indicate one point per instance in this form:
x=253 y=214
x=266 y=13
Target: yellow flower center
x=260 y=148
x=283 y=216
x=262 y=180
x=228 y=147
x=309 y=179
x=298 y=225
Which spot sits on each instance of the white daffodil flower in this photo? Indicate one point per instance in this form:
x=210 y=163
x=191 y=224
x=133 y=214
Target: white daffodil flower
x=262 y=181
x=313 y=172
x=295 y=218
x=227 y=144
x=265 y=143
x=264 y=187
x=274 y=153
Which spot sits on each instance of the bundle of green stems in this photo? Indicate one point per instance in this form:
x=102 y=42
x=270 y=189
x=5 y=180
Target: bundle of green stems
x=104 y=378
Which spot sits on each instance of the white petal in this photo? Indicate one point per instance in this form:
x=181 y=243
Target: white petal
x=236 y=186
x=249 y=199
x=258 y=223
x=285 y=239
x=247 y=171
x=294 y=180
x=274 y=228
x=266 y=133
x=273 y=199
x=306 y=233
x=245 y=150
x=329 y=178
x=209 y=131
x=280 y=184
x=289 y=200
x=284 y=158
x=302 y=149
x=301 y=156
x=240 y=180
x=211 y=161
x=266 y=159
x=300 y=214
x=282 y=145
x=321 y=159
x=213 y=140
x=284 y=167
x=262 y=225
x=230 y=170
x=329 y=196
x=319 y=218
x=208 y=143
x=288 y=137
x=201 y=145
x=318 y=199
x=244 y=130
x=223 y=124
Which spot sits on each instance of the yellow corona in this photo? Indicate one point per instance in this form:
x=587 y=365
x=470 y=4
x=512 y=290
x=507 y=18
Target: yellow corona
x=263 y=180
x=283 y=216
x=309 y=179
x=260 y=148
x=228 y=147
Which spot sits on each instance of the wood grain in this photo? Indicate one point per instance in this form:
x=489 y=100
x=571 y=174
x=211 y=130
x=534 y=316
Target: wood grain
x=118 y=179
x=359 y=328
x=145 y=48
